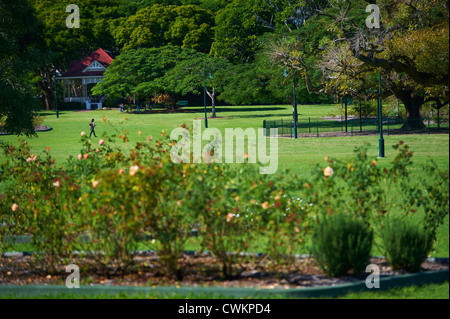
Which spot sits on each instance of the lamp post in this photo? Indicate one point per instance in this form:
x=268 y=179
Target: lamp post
x=295 y=103
x=56 y=99
x=204 y=99
x=380 y=119
x=346 y=115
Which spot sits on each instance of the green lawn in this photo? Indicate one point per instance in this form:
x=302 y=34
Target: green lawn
x=299 y=156
x=431 y=291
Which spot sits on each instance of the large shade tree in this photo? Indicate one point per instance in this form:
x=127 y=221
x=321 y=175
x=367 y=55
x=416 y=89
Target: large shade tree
x=410 y=49
x=200 y=72
x=60 y=45
x=187 y=26
x=17 y=59
x=241 y=24
x=142 y=73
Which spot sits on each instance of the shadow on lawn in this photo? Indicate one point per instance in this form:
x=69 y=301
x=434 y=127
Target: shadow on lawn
x=219 y=109
x=51 y=114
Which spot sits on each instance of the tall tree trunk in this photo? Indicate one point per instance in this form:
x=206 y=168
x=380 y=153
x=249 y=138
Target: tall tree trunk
x=173 y=102
x=413 y=103
x=45 y=84
x=213 y=102
x=48 y=97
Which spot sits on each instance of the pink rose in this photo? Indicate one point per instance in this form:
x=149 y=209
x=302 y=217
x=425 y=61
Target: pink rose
x=101 y=141
x=14 y=207
x=328 y=171
x=86 y=156
x=80 y=157
x=133 y=170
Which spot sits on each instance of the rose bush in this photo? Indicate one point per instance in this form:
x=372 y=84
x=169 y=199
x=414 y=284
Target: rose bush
x=107 y=203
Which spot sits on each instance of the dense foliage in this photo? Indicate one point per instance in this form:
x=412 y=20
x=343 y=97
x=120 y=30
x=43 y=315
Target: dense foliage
x=341 y=244
x=325 y=42
x=107 y=203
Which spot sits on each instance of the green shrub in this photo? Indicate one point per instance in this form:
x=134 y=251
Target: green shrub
x=407 y=244
x=342 y=243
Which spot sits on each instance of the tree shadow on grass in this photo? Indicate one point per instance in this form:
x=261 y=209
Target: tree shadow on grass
x=51 y=114
x=219 y=109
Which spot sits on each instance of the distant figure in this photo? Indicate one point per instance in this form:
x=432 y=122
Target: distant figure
x=92 y=125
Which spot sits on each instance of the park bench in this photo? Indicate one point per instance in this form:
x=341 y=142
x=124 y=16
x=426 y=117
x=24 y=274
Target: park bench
x=183 y=103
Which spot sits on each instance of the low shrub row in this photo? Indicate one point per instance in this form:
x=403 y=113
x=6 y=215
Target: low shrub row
x=115 y=198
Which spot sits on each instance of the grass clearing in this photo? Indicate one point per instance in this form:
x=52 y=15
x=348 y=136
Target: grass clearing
x=300 y=156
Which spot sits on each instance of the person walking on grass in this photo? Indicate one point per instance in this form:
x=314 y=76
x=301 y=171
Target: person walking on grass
x=92 y=125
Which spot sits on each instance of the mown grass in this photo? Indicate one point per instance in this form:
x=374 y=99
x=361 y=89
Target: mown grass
x=431 y=291
x=300 y=156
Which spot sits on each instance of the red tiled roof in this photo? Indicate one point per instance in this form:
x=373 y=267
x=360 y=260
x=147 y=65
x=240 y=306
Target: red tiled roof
x=76 y=67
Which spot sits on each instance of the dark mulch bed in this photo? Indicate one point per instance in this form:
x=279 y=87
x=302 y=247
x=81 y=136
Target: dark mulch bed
x=201 y=270
x=42 y=128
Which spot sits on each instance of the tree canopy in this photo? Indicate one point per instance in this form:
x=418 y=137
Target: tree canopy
x=17 y=59
x=410 y=50
x=187 y=26
x=156 y=42
x=142 y=72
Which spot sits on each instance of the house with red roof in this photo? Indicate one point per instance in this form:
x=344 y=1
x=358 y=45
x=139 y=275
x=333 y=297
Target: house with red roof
x=82 y=76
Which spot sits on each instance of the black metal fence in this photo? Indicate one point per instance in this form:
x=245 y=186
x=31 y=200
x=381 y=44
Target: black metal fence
x=353 y=126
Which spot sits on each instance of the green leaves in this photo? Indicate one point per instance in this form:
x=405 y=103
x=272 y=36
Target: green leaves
x=17 y=60
x=187 y=26
x=406 y=244
x=341 y=243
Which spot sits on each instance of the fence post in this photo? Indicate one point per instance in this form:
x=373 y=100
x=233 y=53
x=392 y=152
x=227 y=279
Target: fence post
x=264 y=127
x=317 y=128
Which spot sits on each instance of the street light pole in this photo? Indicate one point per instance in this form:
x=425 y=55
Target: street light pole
x=295 y=103
x=204 y=99
x=295 y=106
x=380 y=119
x=56 y=99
